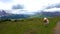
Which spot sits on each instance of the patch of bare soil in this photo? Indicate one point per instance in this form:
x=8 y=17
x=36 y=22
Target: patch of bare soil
x=57 y=28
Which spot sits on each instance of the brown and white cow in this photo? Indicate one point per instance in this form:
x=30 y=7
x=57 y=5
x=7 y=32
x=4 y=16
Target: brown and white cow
x=46 y=21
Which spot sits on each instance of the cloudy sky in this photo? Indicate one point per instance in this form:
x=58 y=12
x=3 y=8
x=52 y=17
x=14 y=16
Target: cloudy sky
x=31 y=5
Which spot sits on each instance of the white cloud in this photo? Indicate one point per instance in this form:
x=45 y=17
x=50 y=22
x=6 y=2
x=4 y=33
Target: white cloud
x=20 y=12
x=6 y=1
x=52 y=10
x=30 y=5
x=38 y=4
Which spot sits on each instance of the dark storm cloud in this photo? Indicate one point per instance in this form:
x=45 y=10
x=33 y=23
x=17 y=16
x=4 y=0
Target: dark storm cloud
x=18 y=6
x=53 y=6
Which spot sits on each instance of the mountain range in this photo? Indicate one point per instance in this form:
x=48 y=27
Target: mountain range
x=5 y=15
x=51 y=14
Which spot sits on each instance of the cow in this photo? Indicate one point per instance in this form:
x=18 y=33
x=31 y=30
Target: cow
x=46 y=21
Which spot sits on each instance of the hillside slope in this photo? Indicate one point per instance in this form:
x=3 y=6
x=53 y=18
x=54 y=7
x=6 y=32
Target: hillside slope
x=28 y=26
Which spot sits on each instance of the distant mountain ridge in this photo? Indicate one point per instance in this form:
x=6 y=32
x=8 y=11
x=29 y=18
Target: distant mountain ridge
x=15 y=16
x=46 y=14
x=51 y=14
x=5 y=15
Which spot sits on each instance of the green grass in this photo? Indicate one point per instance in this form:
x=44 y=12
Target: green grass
x=28 y=26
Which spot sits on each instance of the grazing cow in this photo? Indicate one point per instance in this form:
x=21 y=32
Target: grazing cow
x=46 y=21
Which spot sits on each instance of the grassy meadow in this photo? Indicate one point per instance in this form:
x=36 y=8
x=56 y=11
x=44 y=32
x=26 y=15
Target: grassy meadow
x=28 y=26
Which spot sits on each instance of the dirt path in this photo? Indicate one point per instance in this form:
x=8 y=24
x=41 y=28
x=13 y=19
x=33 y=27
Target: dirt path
x=57 y=28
